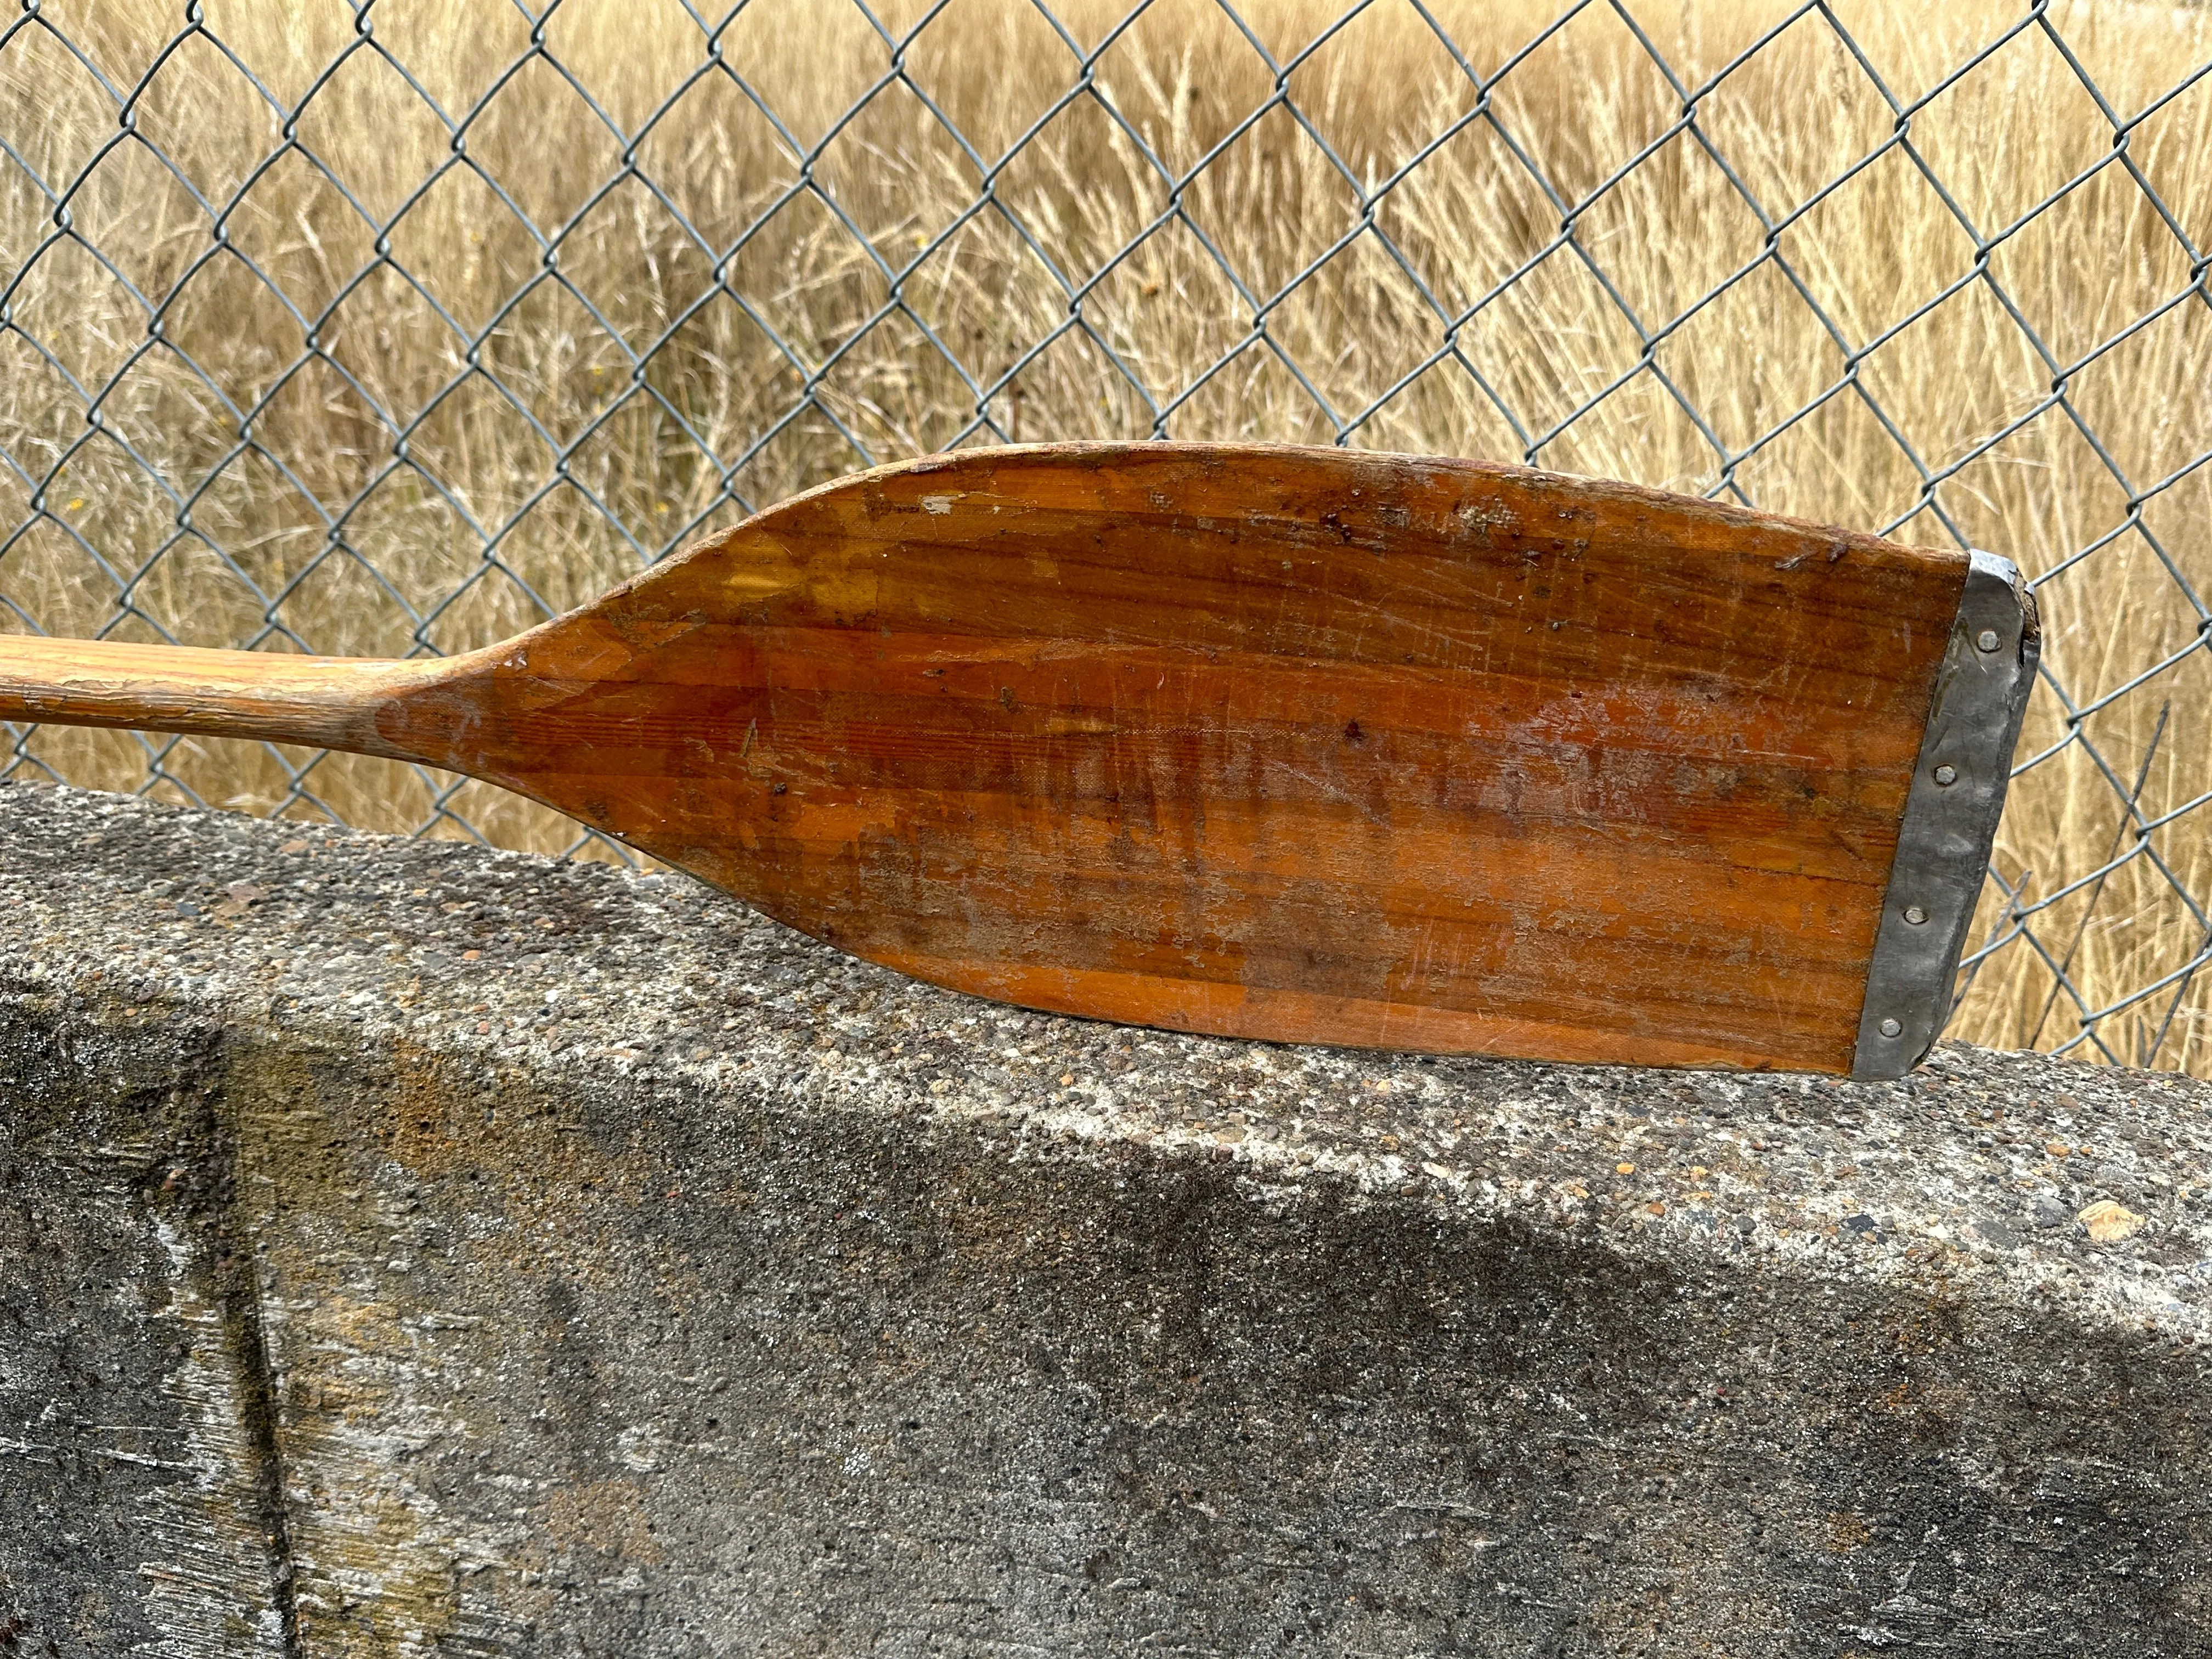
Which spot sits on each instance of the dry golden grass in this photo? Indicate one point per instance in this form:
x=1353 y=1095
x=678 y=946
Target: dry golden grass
x=406 y=569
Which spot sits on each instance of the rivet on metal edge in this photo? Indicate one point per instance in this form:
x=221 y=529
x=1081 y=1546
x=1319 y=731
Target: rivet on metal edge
x=1891 y=1028
x=1947 y=776
x=1915 y=915
x=1987 y=639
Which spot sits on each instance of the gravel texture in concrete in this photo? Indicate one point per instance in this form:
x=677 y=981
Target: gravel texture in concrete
x=406 y=1249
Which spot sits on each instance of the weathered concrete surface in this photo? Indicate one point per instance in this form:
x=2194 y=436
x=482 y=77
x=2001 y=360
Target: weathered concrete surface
x=405 y=1249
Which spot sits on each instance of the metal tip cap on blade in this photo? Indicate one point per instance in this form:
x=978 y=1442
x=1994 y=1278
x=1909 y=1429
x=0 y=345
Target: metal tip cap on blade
x=1951 y=817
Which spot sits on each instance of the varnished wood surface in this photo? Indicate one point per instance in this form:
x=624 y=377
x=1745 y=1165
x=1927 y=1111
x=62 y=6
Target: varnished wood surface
x=1292 y=743
x=332 y=703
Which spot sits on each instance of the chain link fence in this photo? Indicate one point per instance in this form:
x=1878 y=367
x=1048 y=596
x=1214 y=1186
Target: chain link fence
x=349 y=328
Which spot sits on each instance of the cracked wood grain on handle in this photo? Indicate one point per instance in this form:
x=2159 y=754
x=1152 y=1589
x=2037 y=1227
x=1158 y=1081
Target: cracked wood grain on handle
x=1303 y=745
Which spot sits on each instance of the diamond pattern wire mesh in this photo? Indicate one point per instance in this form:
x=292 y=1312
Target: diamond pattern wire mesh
x=348 y=329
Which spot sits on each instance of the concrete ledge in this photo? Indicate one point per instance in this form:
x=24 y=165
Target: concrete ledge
x=408 y=1250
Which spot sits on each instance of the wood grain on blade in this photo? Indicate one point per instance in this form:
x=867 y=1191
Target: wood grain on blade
x=1276 y=743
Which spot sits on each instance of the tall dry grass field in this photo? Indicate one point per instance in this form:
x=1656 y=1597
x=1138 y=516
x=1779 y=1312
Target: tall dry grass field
x=244 y=490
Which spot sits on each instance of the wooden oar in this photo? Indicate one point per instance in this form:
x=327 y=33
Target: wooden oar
x=1295 y=743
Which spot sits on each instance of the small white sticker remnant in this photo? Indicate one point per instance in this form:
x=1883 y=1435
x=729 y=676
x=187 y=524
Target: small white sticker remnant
x=1485 y=518
x=938 y=504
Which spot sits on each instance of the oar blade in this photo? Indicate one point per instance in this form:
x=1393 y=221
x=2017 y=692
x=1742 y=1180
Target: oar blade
x=1302 y=745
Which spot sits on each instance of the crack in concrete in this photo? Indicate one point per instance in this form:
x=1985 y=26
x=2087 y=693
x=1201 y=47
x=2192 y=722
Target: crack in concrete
x=233 y=1269
x=257 y=1397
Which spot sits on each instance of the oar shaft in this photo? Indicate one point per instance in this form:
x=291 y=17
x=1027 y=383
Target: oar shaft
x=329 y=702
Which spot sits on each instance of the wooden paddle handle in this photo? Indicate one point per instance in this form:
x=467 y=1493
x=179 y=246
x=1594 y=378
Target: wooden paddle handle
x=327 y=703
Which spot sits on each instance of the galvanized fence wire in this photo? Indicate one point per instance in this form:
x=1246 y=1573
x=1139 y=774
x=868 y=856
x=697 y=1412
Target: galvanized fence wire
x=2025 y=918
